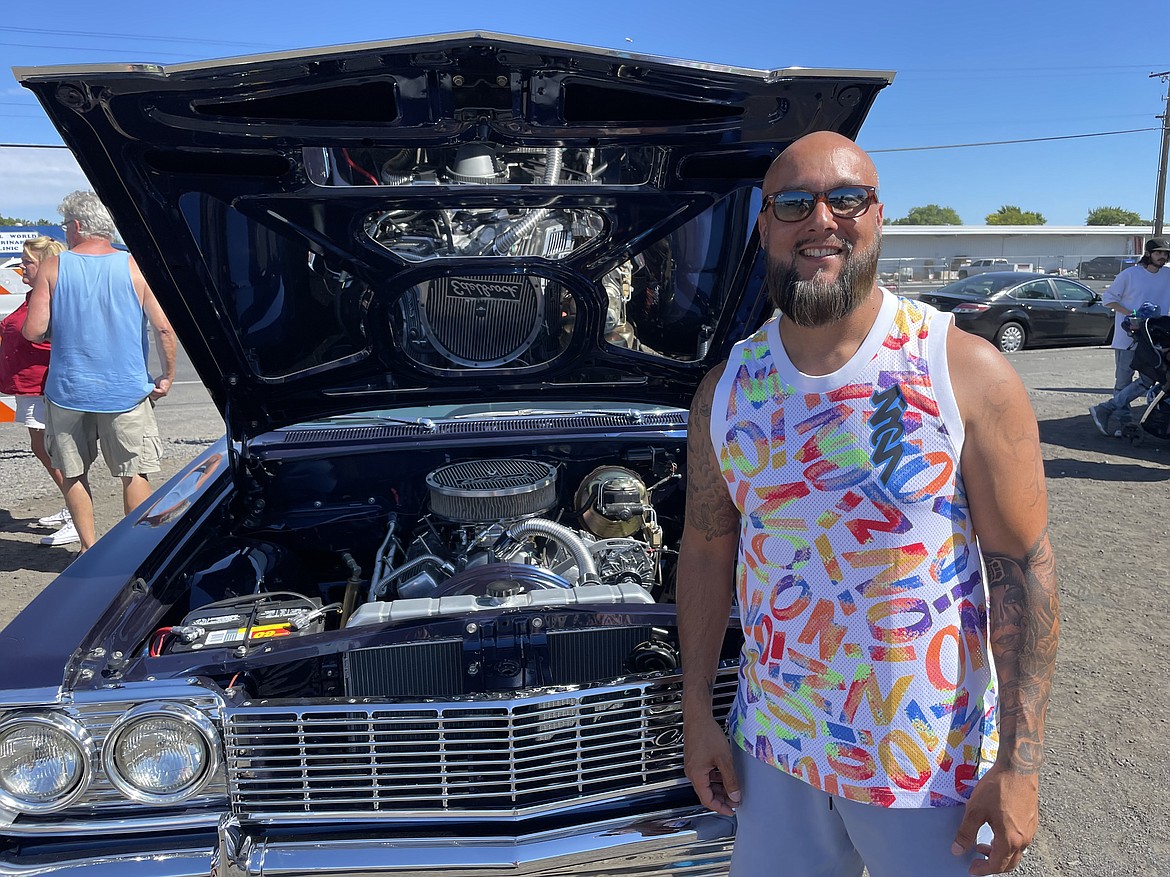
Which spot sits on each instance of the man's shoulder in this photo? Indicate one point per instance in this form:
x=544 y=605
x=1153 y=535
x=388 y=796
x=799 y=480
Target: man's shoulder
x=706 y=388
x=977 y=371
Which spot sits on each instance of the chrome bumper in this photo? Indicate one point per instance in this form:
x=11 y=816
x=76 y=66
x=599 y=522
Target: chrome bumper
x=691 y=842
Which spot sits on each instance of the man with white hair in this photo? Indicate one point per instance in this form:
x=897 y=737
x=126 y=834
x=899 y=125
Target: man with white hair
x=98 y=389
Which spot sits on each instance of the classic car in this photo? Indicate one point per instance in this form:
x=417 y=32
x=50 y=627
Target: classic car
x=415 y=613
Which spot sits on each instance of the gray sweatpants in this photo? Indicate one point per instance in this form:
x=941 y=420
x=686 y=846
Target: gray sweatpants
x=787 y=829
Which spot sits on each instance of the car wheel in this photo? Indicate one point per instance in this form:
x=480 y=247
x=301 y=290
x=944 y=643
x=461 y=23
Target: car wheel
x=962 y=275
x=1010 y=337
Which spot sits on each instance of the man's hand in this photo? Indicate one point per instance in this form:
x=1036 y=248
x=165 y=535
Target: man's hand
x=162 y=386
x=707 y=762
x=1008 y=801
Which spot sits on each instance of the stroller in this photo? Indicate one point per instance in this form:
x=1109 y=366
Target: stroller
x=1150 y=359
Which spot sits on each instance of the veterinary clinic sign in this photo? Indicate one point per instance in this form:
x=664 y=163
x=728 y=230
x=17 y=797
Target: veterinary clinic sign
x=13 y=237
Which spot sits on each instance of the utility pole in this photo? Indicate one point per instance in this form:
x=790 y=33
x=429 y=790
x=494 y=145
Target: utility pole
x=1160 y=195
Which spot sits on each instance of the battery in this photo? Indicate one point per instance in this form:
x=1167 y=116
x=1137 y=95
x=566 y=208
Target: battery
x=242 y=624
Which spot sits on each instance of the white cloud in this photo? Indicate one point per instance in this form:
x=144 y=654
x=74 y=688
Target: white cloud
x=33 y=181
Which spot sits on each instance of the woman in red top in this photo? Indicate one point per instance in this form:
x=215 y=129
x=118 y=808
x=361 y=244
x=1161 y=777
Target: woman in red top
x=23 y=366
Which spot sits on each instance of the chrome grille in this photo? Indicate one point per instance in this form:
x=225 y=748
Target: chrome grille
x=489 y=757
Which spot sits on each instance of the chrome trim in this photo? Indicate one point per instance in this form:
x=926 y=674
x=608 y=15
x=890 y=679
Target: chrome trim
x=182 y=714
x=28 y=698
x=695 y=842
x=86 y=750
x=230 y=856
x=684 y=841
x=82 y=826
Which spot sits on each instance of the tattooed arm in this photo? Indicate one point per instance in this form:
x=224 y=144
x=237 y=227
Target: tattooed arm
x=1004 y=477
x=706 y=569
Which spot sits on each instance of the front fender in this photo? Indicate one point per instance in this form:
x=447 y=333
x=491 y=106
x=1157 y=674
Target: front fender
x=70 y=622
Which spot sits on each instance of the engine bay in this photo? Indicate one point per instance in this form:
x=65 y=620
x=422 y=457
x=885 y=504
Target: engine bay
x=434 y=574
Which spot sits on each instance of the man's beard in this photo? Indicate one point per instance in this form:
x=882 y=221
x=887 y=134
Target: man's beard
x=819 y=302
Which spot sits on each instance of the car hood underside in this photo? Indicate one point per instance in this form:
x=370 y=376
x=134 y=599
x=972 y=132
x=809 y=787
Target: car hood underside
x=418 y=221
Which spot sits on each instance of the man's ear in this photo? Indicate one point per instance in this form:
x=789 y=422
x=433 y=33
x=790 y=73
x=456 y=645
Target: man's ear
x=762 y=225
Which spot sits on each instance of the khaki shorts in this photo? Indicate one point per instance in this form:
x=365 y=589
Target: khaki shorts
x=129 y=440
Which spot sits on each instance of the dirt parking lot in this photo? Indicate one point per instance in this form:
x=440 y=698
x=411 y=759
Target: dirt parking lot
x=1104 y=809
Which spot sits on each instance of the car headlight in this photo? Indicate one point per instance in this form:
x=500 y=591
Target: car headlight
x=161 y=753
x=45 y=762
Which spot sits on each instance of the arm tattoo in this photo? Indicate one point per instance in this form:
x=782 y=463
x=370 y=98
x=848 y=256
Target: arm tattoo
x=1025 y=626
x=709 y=507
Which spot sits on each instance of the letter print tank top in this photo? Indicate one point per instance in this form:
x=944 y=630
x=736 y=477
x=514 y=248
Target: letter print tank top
x=865 y=669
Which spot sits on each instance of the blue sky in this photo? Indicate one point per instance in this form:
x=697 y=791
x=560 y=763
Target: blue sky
x=966 y=73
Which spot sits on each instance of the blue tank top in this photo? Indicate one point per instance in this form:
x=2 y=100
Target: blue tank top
x=98 y=330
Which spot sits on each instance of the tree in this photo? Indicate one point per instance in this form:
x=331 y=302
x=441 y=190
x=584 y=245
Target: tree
x=1112 y=216
x=1010 y=214
x=929 y=214
x=12 y=220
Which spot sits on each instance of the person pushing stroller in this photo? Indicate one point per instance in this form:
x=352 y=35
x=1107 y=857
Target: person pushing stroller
x=1146 y=282
x=1151 y=353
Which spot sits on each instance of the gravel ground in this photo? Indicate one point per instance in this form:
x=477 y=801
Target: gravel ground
x=1104 y=810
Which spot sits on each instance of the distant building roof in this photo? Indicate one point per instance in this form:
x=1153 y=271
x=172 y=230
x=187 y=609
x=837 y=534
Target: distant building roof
x=968 y=230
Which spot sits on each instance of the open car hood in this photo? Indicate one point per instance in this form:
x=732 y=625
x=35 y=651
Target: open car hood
x=444 y=218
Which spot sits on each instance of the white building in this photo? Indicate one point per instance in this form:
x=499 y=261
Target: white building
x=935 y=252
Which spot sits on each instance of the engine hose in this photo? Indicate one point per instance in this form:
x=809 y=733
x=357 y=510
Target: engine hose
x=570 y=541
x=552 y=172
x=383 y=587
x=384 y=555
x=349 y=600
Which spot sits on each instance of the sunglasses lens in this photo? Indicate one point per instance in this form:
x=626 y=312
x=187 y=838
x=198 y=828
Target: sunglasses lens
x=847 y=200
x=791 y=206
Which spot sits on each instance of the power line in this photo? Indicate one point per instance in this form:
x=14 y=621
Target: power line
x=103 y=49
x=1012 y=142
x=123 y=36
x=870 y=151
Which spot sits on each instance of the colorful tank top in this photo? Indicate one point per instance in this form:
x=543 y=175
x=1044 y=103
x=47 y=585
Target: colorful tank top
x=865 y=669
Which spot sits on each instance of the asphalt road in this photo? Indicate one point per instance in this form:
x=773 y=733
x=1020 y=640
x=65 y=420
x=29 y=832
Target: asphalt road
x=1104 y=790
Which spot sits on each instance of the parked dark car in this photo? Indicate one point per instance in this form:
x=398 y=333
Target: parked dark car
x=416 y=613
x=1017 y=309
x=1104 y=267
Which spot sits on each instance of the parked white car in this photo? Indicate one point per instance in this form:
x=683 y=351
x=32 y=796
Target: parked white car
x=980 y=266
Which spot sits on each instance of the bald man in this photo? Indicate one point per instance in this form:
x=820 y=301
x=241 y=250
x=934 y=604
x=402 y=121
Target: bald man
x=865 y=484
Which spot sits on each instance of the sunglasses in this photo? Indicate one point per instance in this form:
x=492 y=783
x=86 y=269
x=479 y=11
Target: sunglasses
x=797 y=204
